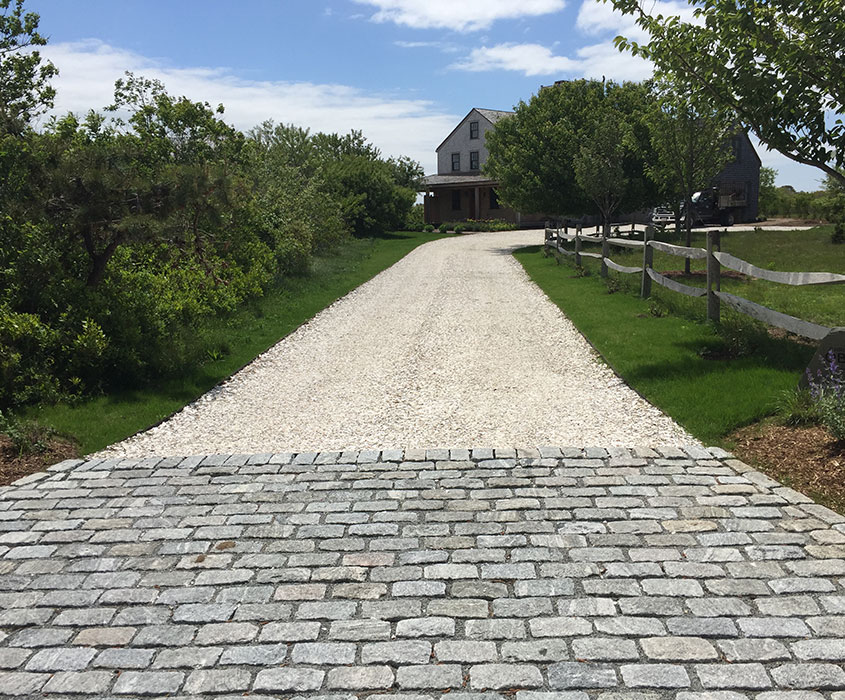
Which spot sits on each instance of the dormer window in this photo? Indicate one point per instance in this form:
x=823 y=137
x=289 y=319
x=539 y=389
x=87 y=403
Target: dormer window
x=473 y=130
x=456 y=162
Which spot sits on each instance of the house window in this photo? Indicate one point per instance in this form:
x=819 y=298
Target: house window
x=456 y=161
x=494 y=199
x=473 y=160
x=456 y=200
x=473 y=130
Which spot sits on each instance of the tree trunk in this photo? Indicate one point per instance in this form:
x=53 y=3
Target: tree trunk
x=688 y=226
x=99 y=261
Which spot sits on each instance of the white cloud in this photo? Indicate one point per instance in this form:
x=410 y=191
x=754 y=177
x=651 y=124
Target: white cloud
x=530 y=59
x=466 y=15
x=596 y=17
x=396 y=125
x=439 y=45
x=593 y=61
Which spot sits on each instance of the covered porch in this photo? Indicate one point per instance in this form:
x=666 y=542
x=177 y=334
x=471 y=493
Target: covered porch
x=462 y=197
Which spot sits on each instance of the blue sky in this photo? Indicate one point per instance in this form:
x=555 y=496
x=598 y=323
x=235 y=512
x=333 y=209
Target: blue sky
x=402 y=71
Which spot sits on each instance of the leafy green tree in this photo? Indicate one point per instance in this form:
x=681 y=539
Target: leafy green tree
x=599 y=165
x=532 y=153
x=370 y=201
x=691 y=144
x=777 y=64
x=834 y=206
x=25 y=89
x=768 y=197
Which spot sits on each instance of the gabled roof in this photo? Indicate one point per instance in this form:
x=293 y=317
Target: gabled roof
x=491 y=115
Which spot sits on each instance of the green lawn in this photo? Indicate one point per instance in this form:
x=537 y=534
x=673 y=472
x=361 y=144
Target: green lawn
x=788 y=251
x=665 y=358
x=240 y=338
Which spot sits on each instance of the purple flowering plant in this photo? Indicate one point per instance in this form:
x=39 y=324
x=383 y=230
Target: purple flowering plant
x=827 y=389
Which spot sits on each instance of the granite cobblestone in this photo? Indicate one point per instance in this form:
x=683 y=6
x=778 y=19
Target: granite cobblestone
x=549 y=574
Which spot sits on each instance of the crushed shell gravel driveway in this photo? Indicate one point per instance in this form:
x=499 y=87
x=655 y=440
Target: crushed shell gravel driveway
x=453 y=345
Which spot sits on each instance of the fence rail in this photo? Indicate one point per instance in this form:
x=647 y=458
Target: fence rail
x=556 y=237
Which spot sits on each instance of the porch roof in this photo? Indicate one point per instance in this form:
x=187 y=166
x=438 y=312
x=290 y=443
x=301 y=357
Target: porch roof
x=438 y=181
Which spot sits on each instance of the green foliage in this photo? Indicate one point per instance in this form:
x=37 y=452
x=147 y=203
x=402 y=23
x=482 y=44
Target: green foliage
x=459 y=229
x=230 y=342
x=415 y=220
x=428 y=228
x=25 y=90
x=776 y=64
x=599 y=164
x=768 y=195
x=798 y=407
x=477 y=225
x=691 y=145
x=533 y=153
x=370 y=201
x=27 y=437
x=125 y=235
x=827 y=390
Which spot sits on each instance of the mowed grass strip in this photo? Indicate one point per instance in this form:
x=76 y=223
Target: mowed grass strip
x=240 y=338
x=665 y=359
x=784 y=251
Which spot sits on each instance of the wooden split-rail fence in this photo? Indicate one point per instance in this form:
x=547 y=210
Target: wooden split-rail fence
x=626 y=236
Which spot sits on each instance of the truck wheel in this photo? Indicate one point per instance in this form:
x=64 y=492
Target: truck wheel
x=727 y=218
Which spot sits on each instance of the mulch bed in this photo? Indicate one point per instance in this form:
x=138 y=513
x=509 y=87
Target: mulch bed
x=14 y=465
x=807 y=459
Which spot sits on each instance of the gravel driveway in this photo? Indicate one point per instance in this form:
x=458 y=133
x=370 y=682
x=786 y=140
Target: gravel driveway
x=453 y=345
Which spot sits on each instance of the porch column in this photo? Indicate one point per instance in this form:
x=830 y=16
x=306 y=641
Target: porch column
x=477 y=202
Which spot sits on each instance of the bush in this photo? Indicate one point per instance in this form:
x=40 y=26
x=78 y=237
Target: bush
x=798 y=407
x=428 y=228
x=478 y=225
x=415 y=221
x=443 y=228
x=459 y=229
x=827 y=389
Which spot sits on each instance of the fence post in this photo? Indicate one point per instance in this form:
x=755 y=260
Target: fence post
x=578 y=245
x=648 y=261
x=714 y=270
x=605 y=249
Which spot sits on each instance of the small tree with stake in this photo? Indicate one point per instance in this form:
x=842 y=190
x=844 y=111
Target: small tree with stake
x=691 y=144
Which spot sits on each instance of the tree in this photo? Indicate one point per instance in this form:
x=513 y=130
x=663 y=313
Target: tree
x=777 y=64
x=599 y=165
x=25 y=90
x=533 y=152
x=691 y=144
x=768 y=197
x=370 y=201
x=833 y=203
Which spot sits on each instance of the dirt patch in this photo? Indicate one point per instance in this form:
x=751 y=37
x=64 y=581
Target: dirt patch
x=702 y=274
x=14 y=465
x=786 y=222
x=807 y=459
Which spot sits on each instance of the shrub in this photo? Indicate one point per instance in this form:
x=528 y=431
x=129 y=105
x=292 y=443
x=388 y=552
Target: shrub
x=827 y=389
x=415 y=220
x=443 y=228
x=428 y=228
x=798 y=407
x=459 y=229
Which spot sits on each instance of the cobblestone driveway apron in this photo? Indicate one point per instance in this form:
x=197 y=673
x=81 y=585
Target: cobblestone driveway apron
x=537 y=575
